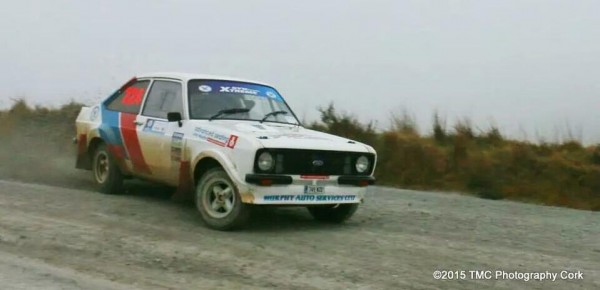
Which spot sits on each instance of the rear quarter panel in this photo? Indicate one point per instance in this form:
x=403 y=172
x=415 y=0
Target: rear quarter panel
x=87 y=124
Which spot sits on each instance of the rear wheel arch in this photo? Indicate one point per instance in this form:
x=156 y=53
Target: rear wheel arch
x=107 y=175
x=86 y=157
x=91 y=150
x=94 y=143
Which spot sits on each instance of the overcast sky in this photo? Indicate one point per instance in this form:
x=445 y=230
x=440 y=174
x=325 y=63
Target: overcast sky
x=531 y=67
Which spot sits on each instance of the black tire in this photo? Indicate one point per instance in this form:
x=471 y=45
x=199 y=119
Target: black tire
x=106 y=173
x=219 y=203
x=337 y=213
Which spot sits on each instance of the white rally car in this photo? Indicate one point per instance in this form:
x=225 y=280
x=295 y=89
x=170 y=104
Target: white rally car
x=231 y=143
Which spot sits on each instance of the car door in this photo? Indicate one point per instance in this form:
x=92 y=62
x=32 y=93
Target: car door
x=119 y=129
x=155 y=132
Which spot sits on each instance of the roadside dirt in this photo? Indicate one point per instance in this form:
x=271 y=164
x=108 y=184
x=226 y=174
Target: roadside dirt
x=78 y=239
x=57 y=233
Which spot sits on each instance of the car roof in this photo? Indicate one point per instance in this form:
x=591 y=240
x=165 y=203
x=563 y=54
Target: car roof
x=190 y=76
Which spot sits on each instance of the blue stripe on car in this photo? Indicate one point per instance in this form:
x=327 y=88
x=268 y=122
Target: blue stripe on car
x=109 y=129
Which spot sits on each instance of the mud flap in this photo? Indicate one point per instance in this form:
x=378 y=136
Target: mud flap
x=83 y=159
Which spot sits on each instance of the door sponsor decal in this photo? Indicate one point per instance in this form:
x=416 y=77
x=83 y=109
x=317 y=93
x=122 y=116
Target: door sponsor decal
x=155 y=126
x=216 y=138
x=176 y=146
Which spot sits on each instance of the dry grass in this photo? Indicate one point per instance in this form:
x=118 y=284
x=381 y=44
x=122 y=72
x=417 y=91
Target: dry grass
x=36 y=147
x=482 y=163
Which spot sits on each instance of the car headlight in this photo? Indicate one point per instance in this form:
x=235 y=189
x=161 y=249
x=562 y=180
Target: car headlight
x=362 y=164
x=265 y=161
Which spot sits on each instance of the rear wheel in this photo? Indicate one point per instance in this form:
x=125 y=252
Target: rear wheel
x=337 y=213
x=107 y=175
x=219 y=202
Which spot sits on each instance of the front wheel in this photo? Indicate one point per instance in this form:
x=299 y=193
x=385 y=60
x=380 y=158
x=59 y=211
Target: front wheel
x=337 y=213
x=219 y=202
x=107 y=175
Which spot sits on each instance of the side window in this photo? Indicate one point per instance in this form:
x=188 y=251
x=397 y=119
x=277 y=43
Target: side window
x=129 y=99
x=164 y=97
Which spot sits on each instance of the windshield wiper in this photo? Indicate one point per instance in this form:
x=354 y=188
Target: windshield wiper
x=229 y=112
x=274 y=113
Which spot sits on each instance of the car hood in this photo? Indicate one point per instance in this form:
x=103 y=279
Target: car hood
x=275 y=135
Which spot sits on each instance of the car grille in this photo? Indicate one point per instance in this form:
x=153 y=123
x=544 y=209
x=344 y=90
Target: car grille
x=315 y=162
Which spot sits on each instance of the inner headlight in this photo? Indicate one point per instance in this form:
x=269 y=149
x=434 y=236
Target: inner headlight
x=362 y=164
x=265 y=161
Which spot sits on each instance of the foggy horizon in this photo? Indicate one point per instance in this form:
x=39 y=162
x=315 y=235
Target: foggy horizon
x=528 y=67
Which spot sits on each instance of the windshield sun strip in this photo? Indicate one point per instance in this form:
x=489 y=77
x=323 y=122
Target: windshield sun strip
x=298 y=123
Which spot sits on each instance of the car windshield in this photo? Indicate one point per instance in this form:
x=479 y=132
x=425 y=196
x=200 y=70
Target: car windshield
x=217 y=99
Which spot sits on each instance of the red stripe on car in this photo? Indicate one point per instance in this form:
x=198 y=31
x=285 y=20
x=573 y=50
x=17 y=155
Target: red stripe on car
x=211 y=140
x=118 y=152
x=132 y=143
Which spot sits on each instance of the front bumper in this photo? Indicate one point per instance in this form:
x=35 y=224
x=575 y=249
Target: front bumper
x=292 y=190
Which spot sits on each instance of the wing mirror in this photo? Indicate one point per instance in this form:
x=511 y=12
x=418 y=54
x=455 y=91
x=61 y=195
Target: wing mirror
x=174 y=117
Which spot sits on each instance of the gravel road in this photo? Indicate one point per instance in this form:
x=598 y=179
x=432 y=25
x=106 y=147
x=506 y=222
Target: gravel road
x=52 y=237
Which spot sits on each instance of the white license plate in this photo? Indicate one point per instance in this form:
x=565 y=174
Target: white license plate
x=314 y=189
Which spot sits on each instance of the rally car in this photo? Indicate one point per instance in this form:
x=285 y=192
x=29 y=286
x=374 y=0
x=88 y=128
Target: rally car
x=228 y=143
